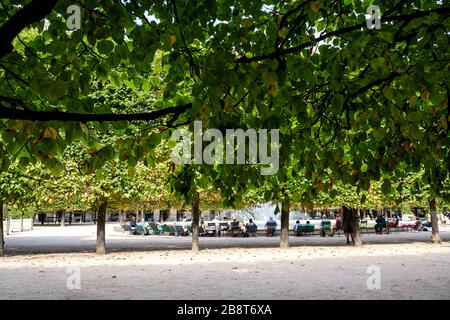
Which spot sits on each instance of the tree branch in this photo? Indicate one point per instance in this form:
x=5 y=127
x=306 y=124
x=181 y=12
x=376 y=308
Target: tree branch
x=8 y=113
x=295 y=49
x=33 y=12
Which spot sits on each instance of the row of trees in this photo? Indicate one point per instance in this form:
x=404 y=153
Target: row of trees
x=359 y=110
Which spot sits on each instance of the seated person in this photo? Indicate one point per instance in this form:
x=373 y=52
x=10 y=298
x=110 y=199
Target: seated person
x=297 y=228
x=394 y=222
x=225 y=227
x=425 y=226
x=250 y=228
x=417 y=224
x=132 y=222
x=142 y=225
x=380 y=223
x=270 y=226
x=235 y=227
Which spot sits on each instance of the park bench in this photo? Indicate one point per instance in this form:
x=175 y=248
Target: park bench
x=306 y=229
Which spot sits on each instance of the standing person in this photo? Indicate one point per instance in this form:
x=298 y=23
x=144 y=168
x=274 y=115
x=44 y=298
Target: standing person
x=298 y=228
x=442 y=219
x=175 y=227
x=216 y=222
x=398 y=214
x=347 y=222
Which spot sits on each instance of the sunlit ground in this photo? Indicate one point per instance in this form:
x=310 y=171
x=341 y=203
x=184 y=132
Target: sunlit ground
x=40 y=263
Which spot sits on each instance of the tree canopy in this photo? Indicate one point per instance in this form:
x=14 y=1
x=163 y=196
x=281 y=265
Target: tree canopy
x=354 y=105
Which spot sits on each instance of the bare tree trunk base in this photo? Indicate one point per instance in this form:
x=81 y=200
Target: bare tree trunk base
x=195 y=223
x=101 y=251
x=358 y=240
x=2 y=241
x=357 y=237
x=101 y=247
x=284 y=232
x=435 y=239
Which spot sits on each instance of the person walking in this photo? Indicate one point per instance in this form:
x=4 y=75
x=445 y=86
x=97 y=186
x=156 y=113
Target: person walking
x=347 y=222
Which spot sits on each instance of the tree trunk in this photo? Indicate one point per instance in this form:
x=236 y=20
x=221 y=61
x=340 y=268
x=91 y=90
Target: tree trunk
x=2 y=241
x=435 y=237
x=356 y=235
x=63 y=218
x=195 y=222
x=284 y=234
x=101 y=249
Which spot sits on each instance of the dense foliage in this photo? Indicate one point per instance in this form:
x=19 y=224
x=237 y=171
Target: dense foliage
x=359 y=110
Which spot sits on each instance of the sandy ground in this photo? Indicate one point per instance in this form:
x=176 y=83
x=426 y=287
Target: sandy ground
x=138 y=267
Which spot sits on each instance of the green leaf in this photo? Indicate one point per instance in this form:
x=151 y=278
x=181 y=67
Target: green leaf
x=105 y=46
x=378 y=133
x=386 y=187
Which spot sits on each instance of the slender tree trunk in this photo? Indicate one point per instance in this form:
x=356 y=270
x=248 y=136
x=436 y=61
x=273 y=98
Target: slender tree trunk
x=435 y=237
x=101 y=249
x=63 y=218
x=2 y=241
x=195 y=223
x=284 y=234
x=356 y=234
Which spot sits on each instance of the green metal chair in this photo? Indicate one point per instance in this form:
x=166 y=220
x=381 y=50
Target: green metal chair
x=325 y=226
x=306 y=228
x=167 y=229
x=171 y=230
x=201 y=231
x=154 y=228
